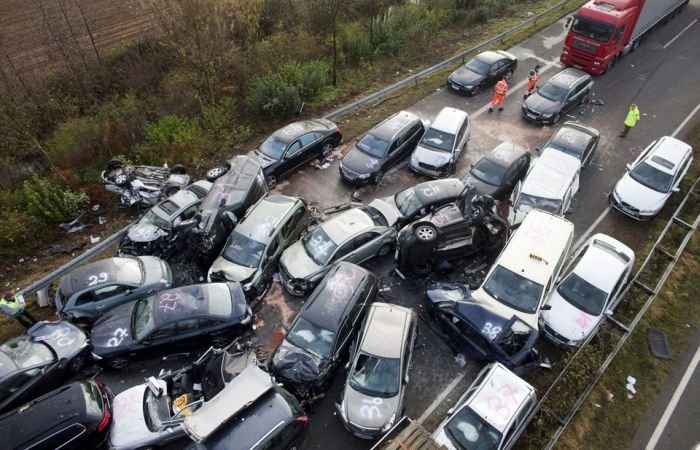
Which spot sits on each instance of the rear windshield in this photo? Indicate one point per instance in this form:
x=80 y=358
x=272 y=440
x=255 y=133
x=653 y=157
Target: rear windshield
x=514 y=290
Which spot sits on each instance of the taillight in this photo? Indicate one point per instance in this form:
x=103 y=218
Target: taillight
x=105 y=421
x=303 y=420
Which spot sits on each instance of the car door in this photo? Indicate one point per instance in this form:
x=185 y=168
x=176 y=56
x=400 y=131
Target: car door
x=344 y=253
x=293 y=157
x=271 y=257
x=109 y=296
x=588 y=152
x=311 y=145
x=365 y=246
x=298 y=222
x=161 y=341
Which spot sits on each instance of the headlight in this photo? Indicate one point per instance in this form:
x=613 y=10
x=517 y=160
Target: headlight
x=615 y=195
x=547 y=116
x=573 y=343
x=389 y=424
x=341 y=410
x=414 y=159
x=647 y=211
x=596 y=63
x=363 y=176
x=469 y=86
x=247 y=287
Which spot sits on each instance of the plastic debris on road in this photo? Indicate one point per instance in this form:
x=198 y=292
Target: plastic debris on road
x=94 y=239
x=631 y=381
x=461 y=360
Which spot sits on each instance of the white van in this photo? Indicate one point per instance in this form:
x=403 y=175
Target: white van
x=522 y=276
x=437 y=152
x=550 y=185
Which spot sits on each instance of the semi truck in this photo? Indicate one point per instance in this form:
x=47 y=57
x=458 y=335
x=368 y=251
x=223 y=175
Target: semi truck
x=602 y=31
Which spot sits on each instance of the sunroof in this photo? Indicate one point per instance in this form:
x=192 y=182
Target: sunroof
x=662 y=162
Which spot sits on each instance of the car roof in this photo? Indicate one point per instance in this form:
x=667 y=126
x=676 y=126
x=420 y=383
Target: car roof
x=551 y=174
x=387 y=324
x=234 y=184
x=668 y=153
x=437 y=190
x=574 y=137
x=536 y=246
x=505 y=154
x=120 y=269
x=500 y=383
x=175 y=203
x=329 y=302
x=264 y=218
x=212 y=300
x=493 y=56
x=295 y=129
x=390 y=127
x=568 y=77
x=601 y=264
x=347 y=224
x=449 y=120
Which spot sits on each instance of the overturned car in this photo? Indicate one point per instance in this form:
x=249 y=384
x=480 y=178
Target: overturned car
x=143 y=185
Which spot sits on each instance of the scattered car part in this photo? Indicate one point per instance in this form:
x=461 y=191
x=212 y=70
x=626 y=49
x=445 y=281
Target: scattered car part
x=143 y=185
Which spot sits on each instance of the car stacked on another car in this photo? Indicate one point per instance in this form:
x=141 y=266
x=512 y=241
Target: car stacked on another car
x=577 y=140
x=559 y=95
x=97 y=287
x=482 y=71
x=294 y=145
x=651 y=179
x=437 y=152
x=355 y=235
x=253 y=249
x=499 y=171
x=381 y=148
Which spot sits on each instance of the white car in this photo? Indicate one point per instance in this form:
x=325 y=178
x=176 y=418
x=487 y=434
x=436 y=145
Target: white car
x=437 y=152
x=652 y=178
x=590 y=285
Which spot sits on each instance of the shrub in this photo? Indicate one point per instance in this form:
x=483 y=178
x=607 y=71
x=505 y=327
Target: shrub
x=354 y=44
x=173 y=138
x=74 y=142
x=272 y=97
x=309 y=78
x=16 y=228
x=50 y=201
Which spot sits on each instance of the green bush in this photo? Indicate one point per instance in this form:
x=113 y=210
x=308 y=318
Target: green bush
x=16 y=229
x=309 y=78
x=50 y=201
x=354 y=44
x=74 y=142
x=272 y=97
x=173 y=130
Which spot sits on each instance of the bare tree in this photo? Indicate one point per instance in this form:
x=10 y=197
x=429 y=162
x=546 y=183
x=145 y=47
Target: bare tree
x=330 y=12
x=81 y=8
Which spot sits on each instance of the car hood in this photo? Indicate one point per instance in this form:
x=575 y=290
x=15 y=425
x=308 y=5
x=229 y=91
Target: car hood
x=543 y=106
x=466 y=77
x=297 y=365
x=113 y=329
x=261 y=158
x=360 y=162
x=426 y=155
x=144 y=232
x=480 y=187
x=64 y=338
x=639 y=196
x=231 y=271
x=129 y=429
x=367 y=411
x=388 y=209
x=567 y=320
x=296 y=262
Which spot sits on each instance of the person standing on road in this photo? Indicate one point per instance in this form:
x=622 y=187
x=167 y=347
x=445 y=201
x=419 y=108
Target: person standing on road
x=13 y=306
x=532 y=80
x=631 y=120
x=499 y=94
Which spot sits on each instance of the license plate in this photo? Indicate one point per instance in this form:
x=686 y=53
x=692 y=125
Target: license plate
x=531 y=116
x=578 y=66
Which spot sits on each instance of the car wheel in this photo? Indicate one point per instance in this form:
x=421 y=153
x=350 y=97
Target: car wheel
x=384 y=250
x=556 y=118
x=271 y=182
x=121 y=179
x=426 y=233
x=77 y=363
x=379 y=177
x=611 y=64
x=327 y=149
x=220 y=340
x=178 y=169
x=422 y=269
x=216 y=172
x=476 y=91
x=170 y=190
x=118 y=363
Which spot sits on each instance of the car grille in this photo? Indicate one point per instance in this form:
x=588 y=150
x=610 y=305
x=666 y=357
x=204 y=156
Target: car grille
x=532 y=112
x=556 y=337
x=428 y=166
x=590 y=48
x=629 y=208
x=284 y=274
x=349 y=173
x=361 y=431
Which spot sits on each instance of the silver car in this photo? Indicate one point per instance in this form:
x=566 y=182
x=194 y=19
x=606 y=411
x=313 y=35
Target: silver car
x=355 y=235
x=372 y=400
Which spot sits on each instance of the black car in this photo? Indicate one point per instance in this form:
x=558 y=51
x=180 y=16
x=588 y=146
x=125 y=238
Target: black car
x=381 y=147
x=291 y=147
x=559 y=95
x=482 y=334
x=499 y=171
x=251 y=412
x=75 y=416
x=482 y=71
x=322 y=331
x=170 y=320
x=575 y=139
x=40 y=360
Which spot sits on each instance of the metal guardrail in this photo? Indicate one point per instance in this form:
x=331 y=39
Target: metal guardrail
x=423 y=73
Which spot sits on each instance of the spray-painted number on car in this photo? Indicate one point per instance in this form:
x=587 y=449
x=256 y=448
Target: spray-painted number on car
x=119 y=335
x=100 y=278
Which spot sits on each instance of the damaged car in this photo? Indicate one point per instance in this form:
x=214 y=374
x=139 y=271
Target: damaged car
x=499 y=171
x=482 y=334
x=317 y=340
x=143 y=185
x=437 y=152
x=456 y=230
x=172 y=320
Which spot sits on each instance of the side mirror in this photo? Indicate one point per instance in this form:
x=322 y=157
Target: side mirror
x=676 y=189
x=568 y=211
x=546 y=307
x=450 y=411
x=629 y=167
x=568 y=22
x=230 y=218
x=538 y=150
x=184 y=224
x=608 y=312
x=405 y=379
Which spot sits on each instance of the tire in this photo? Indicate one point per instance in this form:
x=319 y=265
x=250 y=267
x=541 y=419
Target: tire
x=384 y=250
x=425 y=233
x=77 y=363
x=178 y=169
x=121 y=179
x=117 y=363
x=476 y=91
x=170 y=190
x=611 y=64
x=271 y=182
x=220 y=340
x=327 y=149
x=379 y=177
x=423 y=269
x=556 y=119
x=216 y=172
x=114 y=164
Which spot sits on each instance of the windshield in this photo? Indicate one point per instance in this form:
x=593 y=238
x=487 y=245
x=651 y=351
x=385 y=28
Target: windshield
x=319 y=246
x=469 y=431
x=478 y=66
x=553 y=93
x=311 y=337
x=373 y=146
x=438 y=140
x=582 y=294
x=545 y=204
x=407 y=202
x=488 y=172
x=157 y=410
x=652 y=177
x=272 y=148
x=24 y=352
x=375 y=376
x=144 y=320
x=598 y=31
x=244 y=251
x=514 y=290
x=153 y=219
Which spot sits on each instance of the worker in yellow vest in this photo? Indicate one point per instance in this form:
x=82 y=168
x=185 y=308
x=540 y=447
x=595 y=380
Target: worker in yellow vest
x=13 y=306
x=631 y=120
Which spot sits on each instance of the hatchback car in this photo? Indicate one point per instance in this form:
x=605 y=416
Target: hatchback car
x=171 y=320
x=559 y=95
x=322 y=331
x=34 y=363
x=355 y=235
x=251 y=412
x=499 y=171
x=294 y=145
x=588 y=289
x=577 y=140
x=418 y=200
x=74 y=416
x=491 y=414
x=381 y=148
x=437 y=152
x=651 y=179
x=94 y=288
x=253 y=249
x=482 y=71
x=372 y=400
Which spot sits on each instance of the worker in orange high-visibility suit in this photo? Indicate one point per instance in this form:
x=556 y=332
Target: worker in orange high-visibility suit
x=499 y=94
x=532 y=81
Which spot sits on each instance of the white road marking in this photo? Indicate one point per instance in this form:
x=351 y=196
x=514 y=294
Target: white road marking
x=442 y=396
x=679 y=34
x=674 y=401
x=685 y=121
